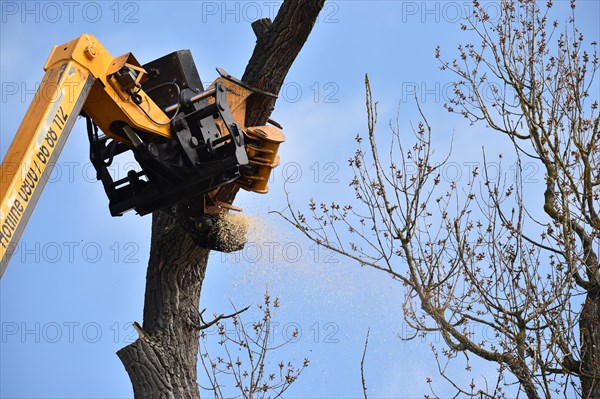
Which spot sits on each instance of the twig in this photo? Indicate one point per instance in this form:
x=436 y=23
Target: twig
x=218 y=318
x=362 y=365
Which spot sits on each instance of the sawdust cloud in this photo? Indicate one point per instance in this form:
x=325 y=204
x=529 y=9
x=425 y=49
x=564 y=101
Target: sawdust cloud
x=278 y=257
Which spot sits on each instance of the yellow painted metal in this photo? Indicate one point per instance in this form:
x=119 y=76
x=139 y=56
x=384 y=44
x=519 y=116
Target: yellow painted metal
x=262 y=142
x=236 y=98
x=36 y=146
x=108 y=103
x=104 y=104
x=76 y=78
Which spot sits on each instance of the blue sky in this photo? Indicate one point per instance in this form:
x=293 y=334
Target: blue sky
x=76 y=283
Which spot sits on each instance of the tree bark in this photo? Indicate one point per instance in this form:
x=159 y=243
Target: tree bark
x=589 y=328
x=162 y=361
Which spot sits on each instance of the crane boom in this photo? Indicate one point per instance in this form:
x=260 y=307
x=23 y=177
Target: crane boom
x=36 y=147
x=185 y=158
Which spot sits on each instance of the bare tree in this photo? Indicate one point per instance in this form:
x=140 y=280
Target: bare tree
x=247 y=372
x=524 y=268
x=162 y=362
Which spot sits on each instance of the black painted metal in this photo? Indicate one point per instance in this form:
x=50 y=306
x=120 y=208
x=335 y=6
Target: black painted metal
x=174 y=174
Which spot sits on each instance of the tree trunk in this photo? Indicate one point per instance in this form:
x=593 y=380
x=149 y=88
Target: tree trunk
x=589 y=326
x=162 y=361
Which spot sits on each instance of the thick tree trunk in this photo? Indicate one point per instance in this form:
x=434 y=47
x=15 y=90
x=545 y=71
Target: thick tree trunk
x=162 y=361
x=589 y=326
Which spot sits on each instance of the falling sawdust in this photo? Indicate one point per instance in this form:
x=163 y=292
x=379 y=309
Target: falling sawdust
x=278 y=257
x=232 y=229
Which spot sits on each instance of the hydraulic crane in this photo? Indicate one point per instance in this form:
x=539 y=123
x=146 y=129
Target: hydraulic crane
x=189 y=142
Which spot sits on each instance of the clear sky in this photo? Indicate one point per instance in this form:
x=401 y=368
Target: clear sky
x=76 y=282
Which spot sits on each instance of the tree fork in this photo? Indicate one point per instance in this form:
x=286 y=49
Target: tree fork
x=162 y=361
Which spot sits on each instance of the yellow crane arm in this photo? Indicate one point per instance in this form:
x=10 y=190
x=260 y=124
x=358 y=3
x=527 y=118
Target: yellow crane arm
x=74 y=70
x=36 y=147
